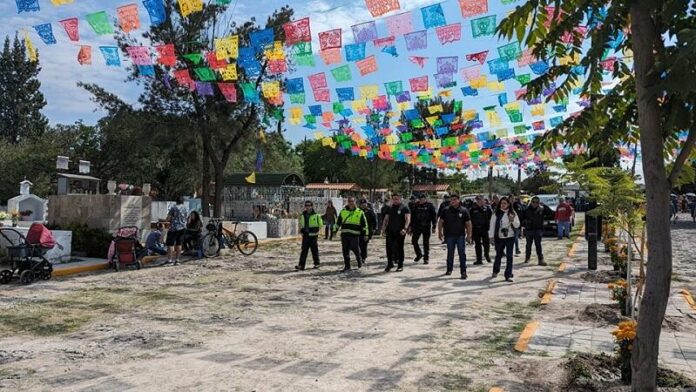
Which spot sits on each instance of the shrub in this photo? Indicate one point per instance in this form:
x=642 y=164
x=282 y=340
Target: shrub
x=93 y=242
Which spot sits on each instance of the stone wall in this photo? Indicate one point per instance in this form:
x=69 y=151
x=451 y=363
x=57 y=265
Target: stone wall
x=279 y=228
x=100 y=211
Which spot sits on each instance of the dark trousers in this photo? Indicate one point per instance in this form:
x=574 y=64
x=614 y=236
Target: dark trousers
x=309 y=243
x=328 y=231
x=482 y=244
x=534 y=236
x=395 y=249
x=363 y=247
x=504 y=247
x=458 y=243
x=350 y=243
x=426 y=243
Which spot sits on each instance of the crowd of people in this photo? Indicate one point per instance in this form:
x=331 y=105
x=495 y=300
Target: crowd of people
x=498 y=223
x=682 y=203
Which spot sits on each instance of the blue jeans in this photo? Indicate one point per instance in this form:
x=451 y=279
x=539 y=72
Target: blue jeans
x=563 y=227
x=504 y=247
x=459 y=243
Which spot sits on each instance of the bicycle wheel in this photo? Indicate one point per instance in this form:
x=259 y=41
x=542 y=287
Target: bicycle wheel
x=210 y=245
x=247 y=243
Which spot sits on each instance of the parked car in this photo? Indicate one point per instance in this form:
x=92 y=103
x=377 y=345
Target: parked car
x=550 y=203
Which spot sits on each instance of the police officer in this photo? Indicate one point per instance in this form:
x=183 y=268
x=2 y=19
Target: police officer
x=371 y=227
x=423 y=222
x=310 y=223
x=455 y=229
x=353 y=225
x=394 y=226
x=480 y=222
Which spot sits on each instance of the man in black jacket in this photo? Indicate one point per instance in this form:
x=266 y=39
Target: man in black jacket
x=533 y=223
x=371 y=227
x=481 y=221
x=423 y=222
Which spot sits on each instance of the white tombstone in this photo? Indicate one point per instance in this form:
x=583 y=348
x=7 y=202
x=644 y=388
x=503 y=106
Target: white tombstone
x=26 y=201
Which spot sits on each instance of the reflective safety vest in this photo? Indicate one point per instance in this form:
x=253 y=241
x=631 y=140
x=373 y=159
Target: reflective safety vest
x=352 y=222
x=315 y=223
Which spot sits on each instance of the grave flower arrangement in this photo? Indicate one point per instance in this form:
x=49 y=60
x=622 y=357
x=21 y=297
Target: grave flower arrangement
x=624 y=335
x=25 y=212
x=619 y=293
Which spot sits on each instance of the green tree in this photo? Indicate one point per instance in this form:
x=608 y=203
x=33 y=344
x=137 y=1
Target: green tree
x=21 y=100
x=278 y=155
x=652 y=104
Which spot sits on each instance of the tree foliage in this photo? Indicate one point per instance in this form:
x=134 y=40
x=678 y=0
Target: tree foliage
x=21 y=100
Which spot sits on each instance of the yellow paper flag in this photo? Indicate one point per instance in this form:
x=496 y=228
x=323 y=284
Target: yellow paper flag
x=369 y=91
x=538 y=110
x=277 y=52
x=479 y=82
x=469 y=114
x=512 y=106
x=229 y=72
x=435 y=109
x=188 y=7
x=326 y=141
x=270 y=89
x=493 y=117
x=61 y=2
x=227 y=47
x=251 y=179
x=496 y=86
x=31 y=50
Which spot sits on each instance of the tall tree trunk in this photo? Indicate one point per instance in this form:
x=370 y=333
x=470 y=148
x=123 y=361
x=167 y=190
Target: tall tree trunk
x=219 y=188
x=657 y=188
x=490 y=183
x=205 y=185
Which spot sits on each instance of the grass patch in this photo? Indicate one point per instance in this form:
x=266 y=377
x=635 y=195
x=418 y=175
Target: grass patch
x=444 y=382
x=42 y=319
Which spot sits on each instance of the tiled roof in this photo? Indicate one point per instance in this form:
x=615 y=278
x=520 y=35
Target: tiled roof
x=430 y=188
x=339 y=186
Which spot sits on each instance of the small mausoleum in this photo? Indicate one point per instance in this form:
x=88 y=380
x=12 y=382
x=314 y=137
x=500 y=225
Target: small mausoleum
x=253 y=196
x=77 y=184
x=29 y=206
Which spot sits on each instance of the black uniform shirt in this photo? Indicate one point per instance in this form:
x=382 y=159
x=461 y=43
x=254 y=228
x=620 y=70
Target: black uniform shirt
x=454 y=221
x=397 y=218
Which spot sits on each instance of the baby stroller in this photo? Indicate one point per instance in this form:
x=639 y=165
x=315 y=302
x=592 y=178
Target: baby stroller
x=26 y=254
x=124 y=249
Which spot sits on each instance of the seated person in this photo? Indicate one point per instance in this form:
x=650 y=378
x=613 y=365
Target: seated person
x=194 y=227
x=153 y=243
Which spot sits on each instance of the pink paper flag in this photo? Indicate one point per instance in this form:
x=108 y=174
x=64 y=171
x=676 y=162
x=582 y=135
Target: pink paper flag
x=297 y=31
x=382 y=42
x=480 y=56
x=419 y=61
x=526 y=58
x=331 y=56
x=183 y=77
x=140 y=55
x=330 y=39
x=84 y=57
x=367 y=66
x=322 y=95
x=71 y=28
x=381 y=7
x=449 y=33
x=317 y=81
x=229 y=91
x=470 y=8
x=471 y=73
x=419 y=84
x=399 y=24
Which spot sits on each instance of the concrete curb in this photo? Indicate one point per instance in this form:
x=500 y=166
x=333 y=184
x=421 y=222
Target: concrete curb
x=548 y=292
x=526 y=335
x=689 y=298
x=561 y=267
x=496 y=389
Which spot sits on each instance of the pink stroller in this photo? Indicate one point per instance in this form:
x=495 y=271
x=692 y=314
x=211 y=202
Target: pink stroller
x=124 y=249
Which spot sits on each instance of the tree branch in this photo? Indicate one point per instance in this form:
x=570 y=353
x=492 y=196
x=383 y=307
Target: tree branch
x=683 y=155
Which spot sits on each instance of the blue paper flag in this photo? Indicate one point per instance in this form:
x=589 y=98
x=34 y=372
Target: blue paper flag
x=539 y=67
x=155 y=9
x=45 y=31
x=262 y=38
x=315 y=110
x=347 y=112
x=469 y=91
x=355 y=52
x=27 y=6
x=391 y=49
x=345 y=94
x=505 y=74
x=111 y=56
x=560 y=108
x=442 y=131
x=447 y=118
x=411 y=114
x=556 y=121
x=295 y=86
x=147 y=70
x=497 y=65
x=502 y=99
x=433 y=16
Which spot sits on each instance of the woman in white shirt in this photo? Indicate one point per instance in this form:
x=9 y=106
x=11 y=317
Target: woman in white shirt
x=504 y=222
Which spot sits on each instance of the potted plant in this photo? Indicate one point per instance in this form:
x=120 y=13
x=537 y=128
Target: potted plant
x=14 y=216
x=624 y=335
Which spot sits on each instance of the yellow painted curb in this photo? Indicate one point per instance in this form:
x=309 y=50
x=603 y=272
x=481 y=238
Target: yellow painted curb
x=548 y=293
x=689 y=298
x=80 y=269
x=496 y=389
x=561 y=267
x=274 y=240
x=526 y=336
x=571 y=251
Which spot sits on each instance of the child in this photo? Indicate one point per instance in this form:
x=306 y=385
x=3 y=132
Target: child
x=153 y=243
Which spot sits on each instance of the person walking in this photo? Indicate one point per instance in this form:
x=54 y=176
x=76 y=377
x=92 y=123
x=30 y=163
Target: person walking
x=395 y=223
x=481 y=220
x=455 y=229
x=423 y=223
x=564 y=213
x=177 y=217
x=533 y=223
x=353 y=225
x=310 y=224
x=518 y=207
x=371 y=227
x=330 y=220
x=503 y=223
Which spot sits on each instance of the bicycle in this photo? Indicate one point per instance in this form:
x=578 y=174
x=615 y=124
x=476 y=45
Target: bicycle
x=217 y=237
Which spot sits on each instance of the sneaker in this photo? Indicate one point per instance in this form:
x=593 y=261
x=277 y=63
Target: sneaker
x=167 y=262
x=478 y=263
x=298 y=268
x=509 y=280
x=176 y=262
x=448 y=273
x=359 y=265
x=417 y=259
x=488 y=259
x=425 y=262
x=345 y=269
x=517 y=253
x=526 y=260
x=388 y=269
x=463 y=277
x=542 y=263
x=399 y=269
x=316 y=266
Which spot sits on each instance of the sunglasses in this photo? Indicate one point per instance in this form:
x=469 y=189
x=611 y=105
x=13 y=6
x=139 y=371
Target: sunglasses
x=307 y=205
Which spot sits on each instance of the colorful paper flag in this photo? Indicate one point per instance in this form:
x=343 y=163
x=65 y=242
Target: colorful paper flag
x=84 y=56
x=128 y=17
x=261 y=39
x=511 y=51
x=345 y=94
x=45 y=31
x=155 y=8
x=401 y=24
x=146 y=70
x=471 y=8
x=444 y=80
x=317 y=81
x=355 y=52
x=27 y=6
x=31 y=50
x=331 y=56
x=227 y=47
x=204 y=74
x=417 y=40
x=330 y=39
x=229 y=72
x=484 y=26
x=419 y=83
x=342 y=73
x=111 y=55
x=187 y=7
x=71 y=28
x=298 y=31
x=381 y=7
x=322 y=95
x=394 y=88
x=369 y=91
x=183 y=77
x=447 y=64
x=270 y=89
x=140 y=55
x=367 y=66
x=433 y=16
x=449 y=33
x=58 y=3
x=166 y=55
x=364 y=32
x=100 y=23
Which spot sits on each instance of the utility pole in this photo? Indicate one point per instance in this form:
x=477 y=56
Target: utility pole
x=490 y=182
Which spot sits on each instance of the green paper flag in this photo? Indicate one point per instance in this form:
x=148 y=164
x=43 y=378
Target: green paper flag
x=406 y=137
x=417 y=123
x=501 y=133
x=297 y=98
x=483 y=26
x=310 y=119
x=338 y=107
x=100 y=23
x=394 y=88
x=223 y=2
x=520 y=129
x=509 y=52
x=515 y=116
x=195 y=58
x=487 y=108
x=449 y=142
x=342 y=73
x=205 y=74
x=305 y=60
x=524 y=78
x=302 y=48
x=457 y=108
x=347 y=144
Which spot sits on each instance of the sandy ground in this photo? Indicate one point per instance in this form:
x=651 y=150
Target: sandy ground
x=253 y=324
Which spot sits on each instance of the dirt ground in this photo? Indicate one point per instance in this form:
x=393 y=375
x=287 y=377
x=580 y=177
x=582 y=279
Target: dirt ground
x=253 y=324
